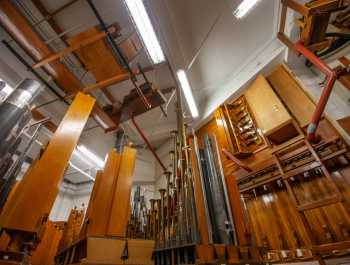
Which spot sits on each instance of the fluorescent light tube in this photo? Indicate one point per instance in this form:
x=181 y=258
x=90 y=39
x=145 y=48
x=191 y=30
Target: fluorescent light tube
x=145 y=29
x=244 y=7
x=6 y=89
x=186 y=88
x=81 y=171
x=91 y=156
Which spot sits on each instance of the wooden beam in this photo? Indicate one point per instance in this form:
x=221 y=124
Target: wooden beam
x=33 y=199
x=295 y=5
x=107 y=82
x=72 y=48
x=20 y=30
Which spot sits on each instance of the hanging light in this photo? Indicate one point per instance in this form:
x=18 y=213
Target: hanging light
x=186 y=88
x=244 y=8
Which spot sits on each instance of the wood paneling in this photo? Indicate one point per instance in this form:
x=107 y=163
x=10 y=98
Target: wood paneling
x=268 y=110
x=289 y=90
x=108 y=210
x=34 y=197
x=103 y=196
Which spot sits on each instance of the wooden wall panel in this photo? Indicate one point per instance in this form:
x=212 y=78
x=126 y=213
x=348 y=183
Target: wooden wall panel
x=34 y=197
x=102 y=201
x=97 y=56
x=120 y=208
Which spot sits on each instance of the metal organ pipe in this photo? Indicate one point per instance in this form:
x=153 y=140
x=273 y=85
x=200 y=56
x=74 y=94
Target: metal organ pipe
x=14 y=113
x=15 y=106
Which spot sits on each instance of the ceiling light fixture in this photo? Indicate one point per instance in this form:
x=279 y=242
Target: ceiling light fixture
x=186 y=88
x=244 y=7
x=94 y=158
x=144 y=26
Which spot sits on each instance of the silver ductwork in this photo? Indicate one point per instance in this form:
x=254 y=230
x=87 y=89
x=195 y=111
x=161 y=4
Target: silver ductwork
x=14 y=116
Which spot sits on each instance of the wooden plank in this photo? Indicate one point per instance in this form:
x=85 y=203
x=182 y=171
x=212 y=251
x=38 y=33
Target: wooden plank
x=97 y=57
x=108 y=250
x=46 y=251
x=120 y=213
x=102 y=201
x=268 y=110
x=34 y=198
x=75 y=46
x=288 y=89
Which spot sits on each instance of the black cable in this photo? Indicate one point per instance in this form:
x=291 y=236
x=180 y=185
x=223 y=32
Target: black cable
x=110 y=39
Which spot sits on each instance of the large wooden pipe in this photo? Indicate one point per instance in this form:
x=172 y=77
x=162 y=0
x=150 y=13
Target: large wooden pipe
x=18 y=27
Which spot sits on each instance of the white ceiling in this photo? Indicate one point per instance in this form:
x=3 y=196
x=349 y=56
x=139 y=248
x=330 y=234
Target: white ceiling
x=204 y=35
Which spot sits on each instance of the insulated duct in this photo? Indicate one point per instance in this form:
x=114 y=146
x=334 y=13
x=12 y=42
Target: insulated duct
x=15 y=114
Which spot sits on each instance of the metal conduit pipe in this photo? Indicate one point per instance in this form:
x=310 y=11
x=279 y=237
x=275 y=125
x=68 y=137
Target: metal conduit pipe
x=326 y=92
x=331 y=75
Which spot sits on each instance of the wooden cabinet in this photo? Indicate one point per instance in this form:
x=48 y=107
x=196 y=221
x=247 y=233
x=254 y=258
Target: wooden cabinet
x=291 y=93
x=270 y=114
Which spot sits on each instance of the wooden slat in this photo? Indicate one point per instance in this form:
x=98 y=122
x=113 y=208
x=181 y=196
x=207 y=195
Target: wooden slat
x=34 y=197
x=120 y=213
x=268 y=110
x=97 y=57
x=288 y=89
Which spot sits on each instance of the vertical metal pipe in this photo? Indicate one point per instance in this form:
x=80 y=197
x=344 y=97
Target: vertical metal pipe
x=11 y=174
x=16 y=104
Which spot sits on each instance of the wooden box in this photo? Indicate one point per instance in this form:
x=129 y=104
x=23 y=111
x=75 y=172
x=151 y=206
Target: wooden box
x=270 y=114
